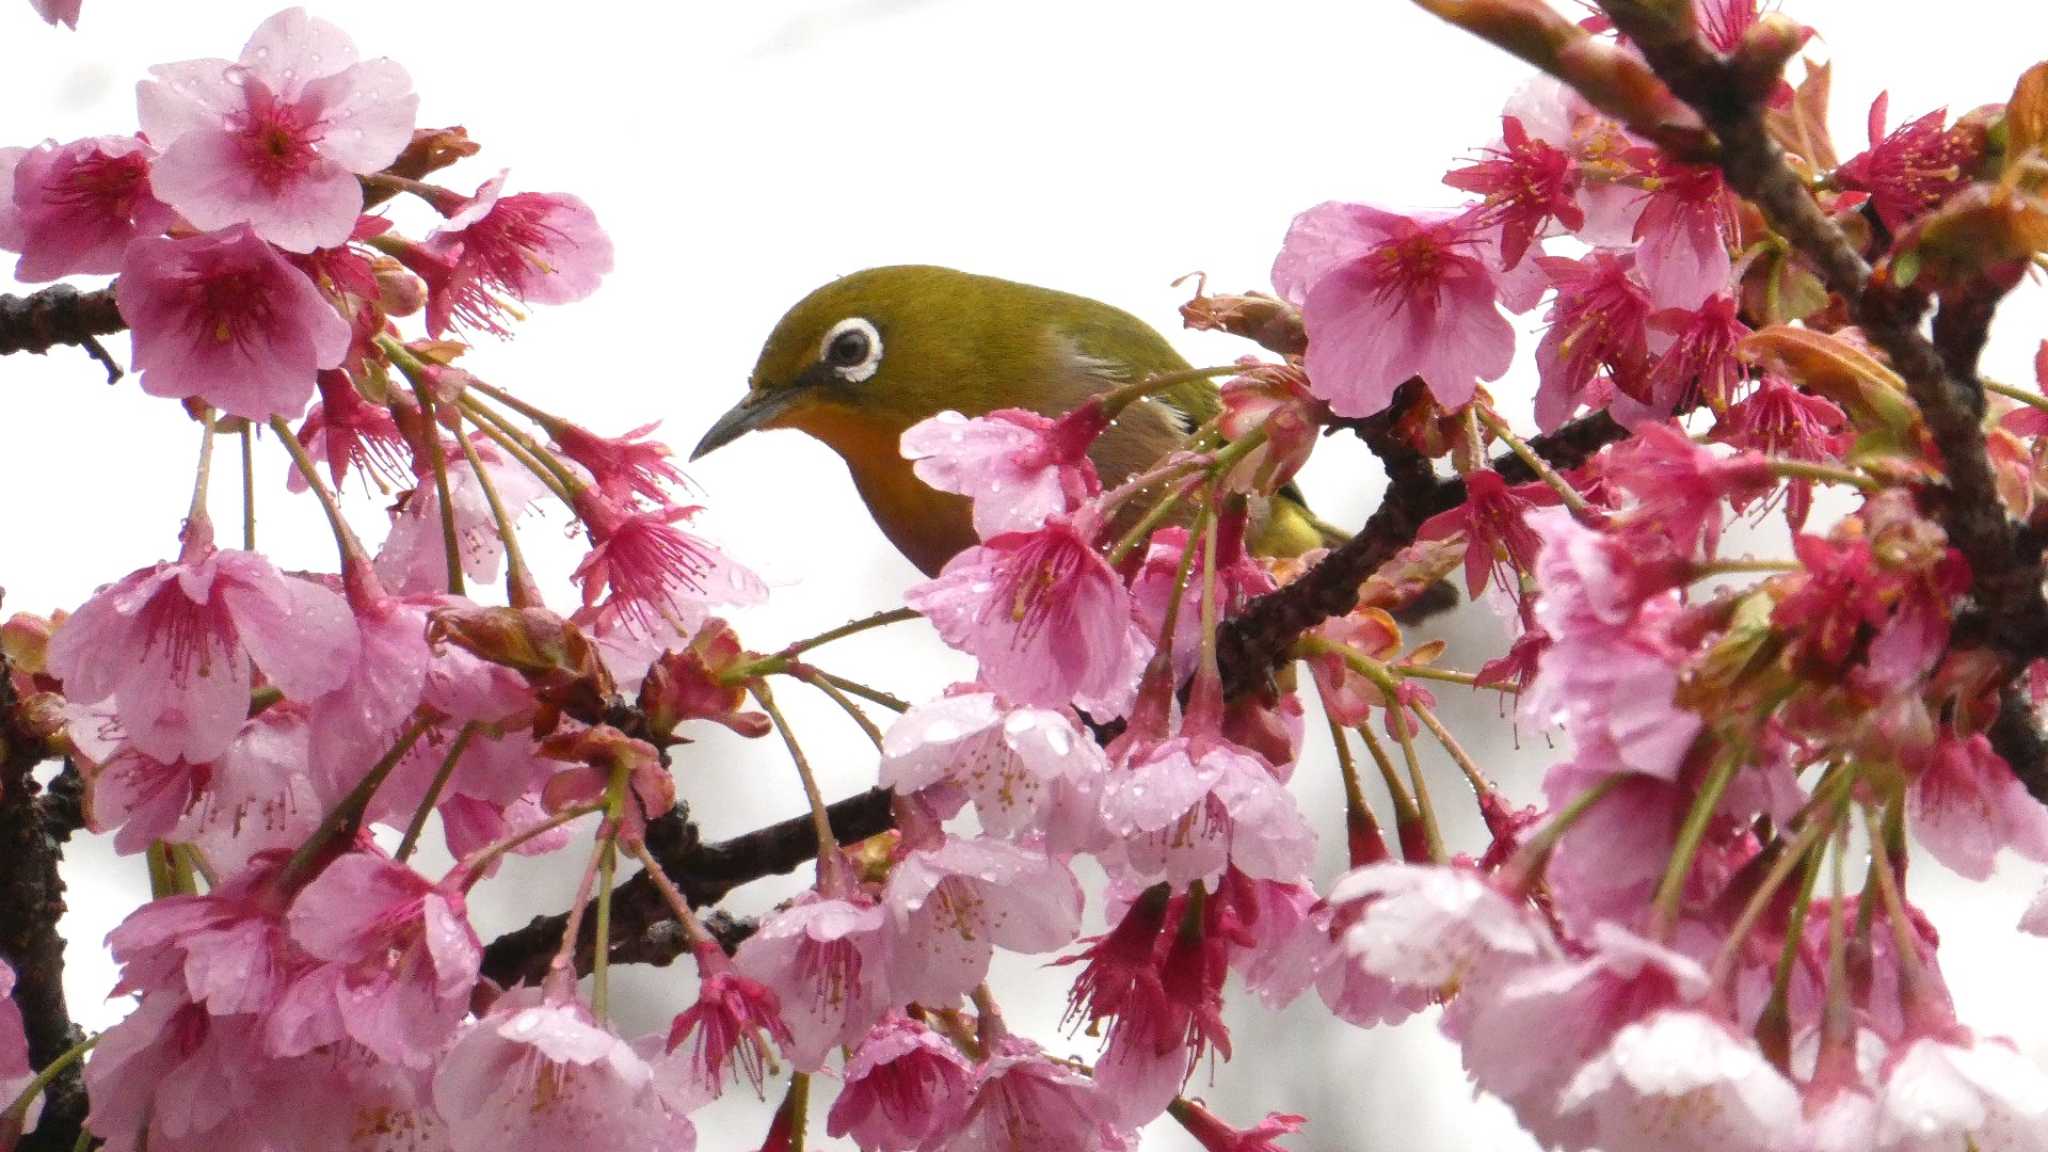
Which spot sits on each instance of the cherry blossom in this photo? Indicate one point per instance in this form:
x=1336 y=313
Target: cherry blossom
x=905 y=1086
x=1016 y=466
x=74 y=208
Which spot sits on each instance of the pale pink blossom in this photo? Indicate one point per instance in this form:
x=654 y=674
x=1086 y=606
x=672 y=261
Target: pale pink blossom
x=1682 y=489
x=15 y=1069
x=173 y=1077
x=1386 y=297
x=1045 y=615
x=399 y=958
x=224 y=318
x=827 y=962
x=543 y=1074
x=1029 y=771
x=277 y=139
x=1683 y=1080
x=347 y=431
x=176 y=646
x=413 y=558
x=626 y=467
x=75 y=207
x=904 y=1085
x=1570 y=1008
x=1683 y=234
x=63 y=12
x=1016 y=466
x=1025 y=1102
x=1239 y=578
x=1962 y=1092
x=1425 y=925
x=1187 y=806
x=1966 y=804
x=951 y=906
x=1597 y=340
x=536 y=247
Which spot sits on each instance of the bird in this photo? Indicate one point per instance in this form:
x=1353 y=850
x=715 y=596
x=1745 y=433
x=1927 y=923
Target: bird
x=862 y=359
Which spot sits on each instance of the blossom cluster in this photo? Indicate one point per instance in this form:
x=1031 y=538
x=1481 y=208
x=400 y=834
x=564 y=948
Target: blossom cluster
x=1667 y=952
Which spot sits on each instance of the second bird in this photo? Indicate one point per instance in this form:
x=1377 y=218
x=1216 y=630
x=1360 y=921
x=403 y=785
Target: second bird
x=862 y=359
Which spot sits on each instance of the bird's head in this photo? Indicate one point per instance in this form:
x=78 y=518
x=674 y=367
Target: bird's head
x=866 y=356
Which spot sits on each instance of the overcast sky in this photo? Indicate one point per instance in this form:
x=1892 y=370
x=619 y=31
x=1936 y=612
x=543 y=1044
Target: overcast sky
x=742 y=154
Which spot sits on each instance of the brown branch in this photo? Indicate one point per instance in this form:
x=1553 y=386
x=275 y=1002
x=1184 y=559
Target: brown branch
x=2005 y=568
x=61 y=314
x=643 y=930
x=31 y=901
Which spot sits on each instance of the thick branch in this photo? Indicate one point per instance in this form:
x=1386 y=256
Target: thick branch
x=61 y=314
x=642 y=927
x=31 y=901
x=2005 y=569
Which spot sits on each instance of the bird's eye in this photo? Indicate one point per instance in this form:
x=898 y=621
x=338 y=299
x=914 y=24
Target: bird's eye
x=852 y=349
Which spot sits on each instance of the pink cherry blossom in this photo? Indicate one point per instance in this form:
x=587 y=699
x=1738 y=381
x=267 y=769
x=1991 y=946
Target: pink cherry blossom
x=729 y=1026
x=1026 y=1102
x=1966 y=804
x=1960 y=1091
x=827 y=962
x=348 y=431
x=277 y=139
x=1386 y=297
x=1684 y=231
x=1045 y=615
x=413 y=560
x=1029 y=771
x=1778 y=419
x=536 y=247
x=1681 y=1080
x=1597 y=343
x=1681 y=489
x=625 y=467
x=1425 y=925
x=224 y=318
x=1527 y=186
x=535 y=1073
x=63 y=12
x=1911 y=169
x=951 y=906
x=1214 y=1135
x=1499 y=544
x=255 y=796
x=15 y=1069
x=75 y=207
x=1554 y=114
x=1168 y=1015
x=1016 y=466
x=399 y=956
x=904 y=1085
x=1348 y=695
x=1694 y=349
x=1239 y=578
x=173 y=645
x=654 y=574
x=172 y=1077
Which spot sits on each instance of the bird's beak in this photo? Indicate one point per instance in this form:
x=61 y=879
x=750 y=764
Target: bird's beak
x=756 y=410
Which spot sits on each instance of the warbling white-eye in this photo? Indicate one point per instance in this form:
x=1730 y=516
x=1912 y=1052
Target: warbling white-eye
x=860 y=360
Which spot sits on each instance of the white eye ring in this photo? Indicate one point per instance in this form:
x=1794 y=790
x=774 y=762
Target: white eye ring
x=852 y=348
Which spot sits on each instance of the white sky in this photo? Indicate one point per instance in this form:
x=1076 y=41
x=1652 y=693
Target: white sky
x=741 y=154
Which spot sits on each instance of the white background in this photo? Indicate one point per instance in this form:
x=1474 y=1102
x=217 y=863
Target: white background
x=741 y=154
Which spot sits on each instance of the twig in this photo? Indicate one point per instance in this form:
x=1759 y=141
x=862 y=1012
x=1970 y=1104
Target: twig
x=61 y=314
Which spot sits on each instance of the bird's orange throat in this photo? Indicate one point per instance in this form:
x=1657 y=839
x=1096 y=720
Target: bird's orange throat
x=928 y=526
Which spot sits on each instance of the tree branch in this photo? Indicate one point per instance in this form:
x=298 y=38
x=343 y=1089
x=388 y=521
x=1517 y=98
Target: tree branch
x=31 y=901
x=61 y=314
x=642 y=927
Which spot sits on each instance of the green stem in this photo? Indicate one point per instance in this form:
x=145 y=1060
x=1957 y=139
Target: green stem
x=1432 y=836
x=474 y=865
x=1671 y=889
x=566 y=483
x=1744 y=566
x=447 y=769
x=855 y=687
x=196 y=512
x=484 y=417
x=248 y=487
x=344 y=536
x=1118 y=399
x=810 y=676
x=17 y=1112
x=850 y=628
x=519 y=586
x=2032 y=399
x=821 y=819
x=1405 y=810
x=1153 y=517
x=1537 y=464
x=1793 y=854
x=348 y=814
x=1822 y=473
x=1480 y=785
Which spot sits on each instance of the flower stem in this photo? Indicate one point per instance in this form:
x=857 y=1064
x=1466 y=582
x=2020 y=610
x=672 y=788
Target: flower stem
x=809 y=675
x=485 y=420
x=1910 y=973
x=1153 y=517
x=1480 y=785
x=1405 y=811
x=821 y=820
x=195 y=513
x=476 y=863
x=2033 y=399
x=1671 y=889
x=520 y=590
x=561 y=977
x=347 y=816
x=437 y=460
x=850 y=628
x=426 y=806
x=566 y=483
x=989 y=1026
x=1450 y=676
x=1789 y=857
x=1118 y=399
x=1432 y=836
x=1823 y=473
x=1533 y=856
x=17 y=1112
x=1743 y=566
x=693 y=928
x=856 y=688
x=248 y=487
x=1537 y=464
x=352 y=553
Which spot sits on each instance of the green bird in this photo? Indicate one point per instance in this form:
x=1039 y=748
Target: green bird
x=864 y=358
